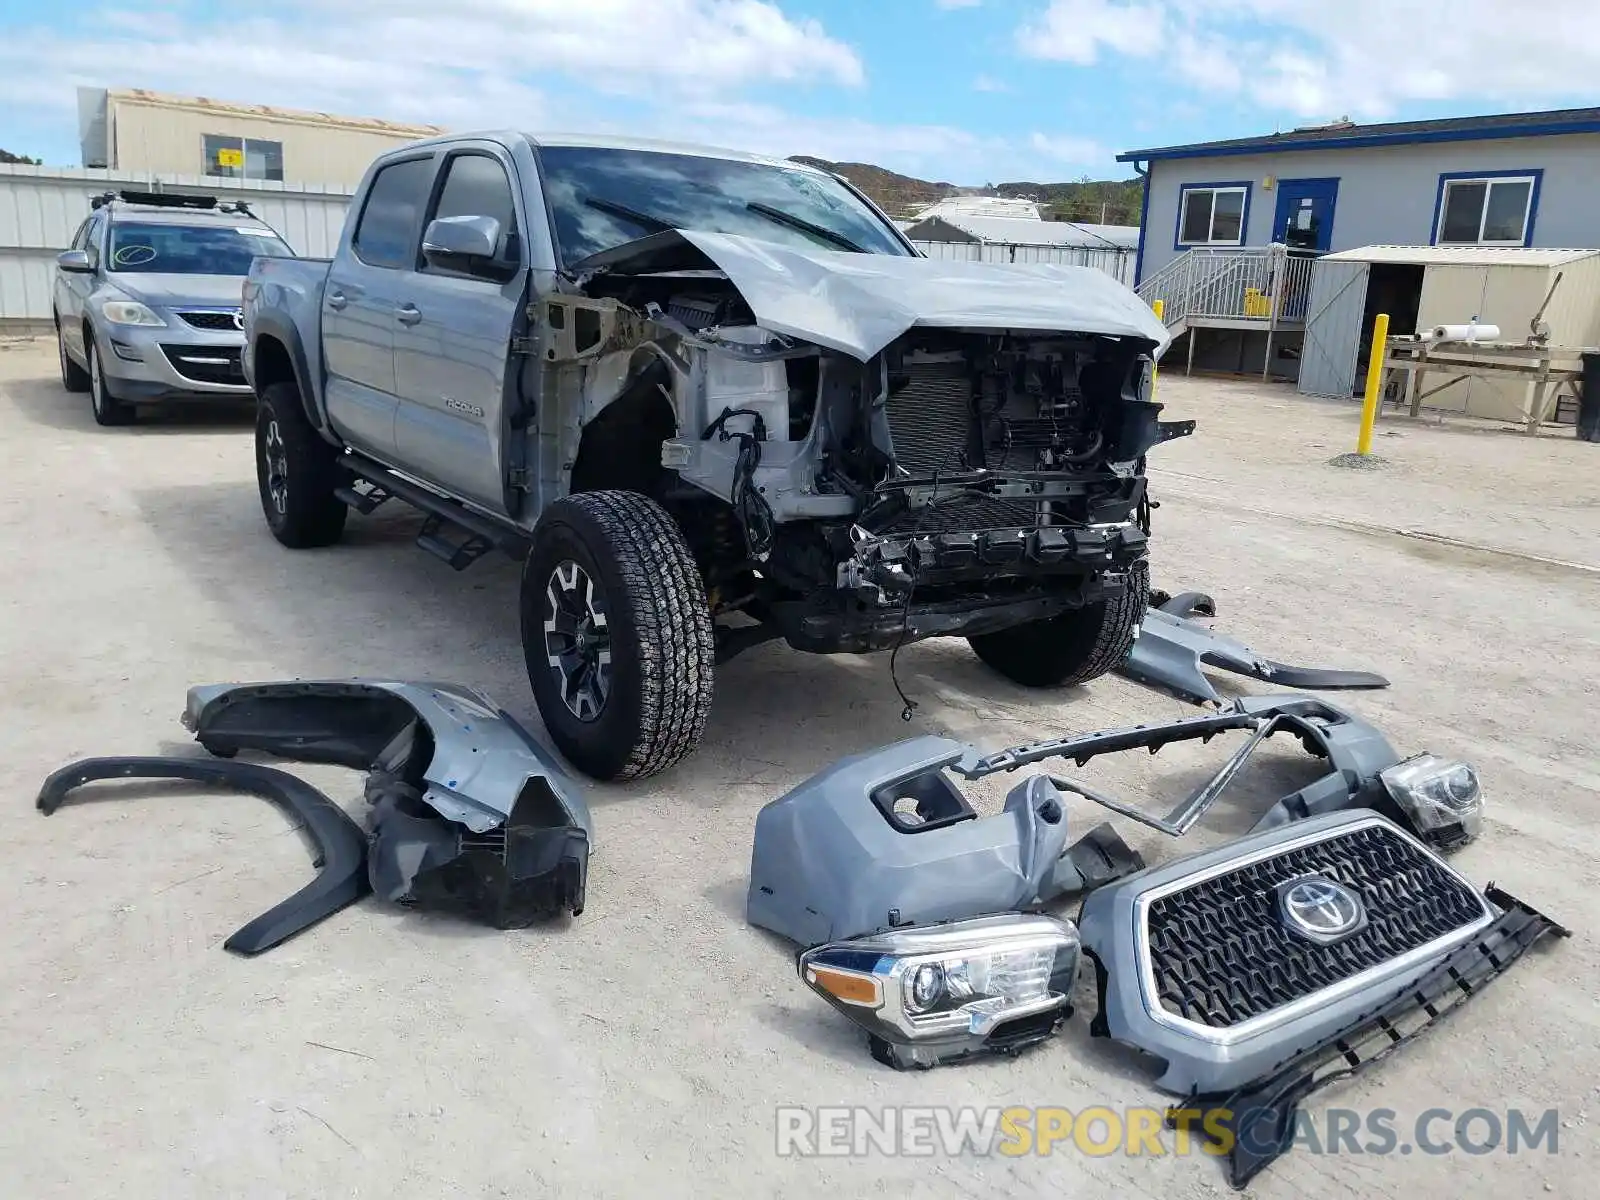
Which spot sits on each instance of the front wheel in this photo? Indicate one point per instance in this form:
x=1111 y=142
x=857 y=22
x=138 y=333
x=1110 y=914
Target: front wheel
x=107 y=409
x=617 y=635
x=1073 y=647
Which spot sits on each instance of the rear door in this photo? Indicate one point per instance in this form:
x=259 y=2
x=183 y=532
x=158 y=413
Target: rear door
x=452 y=337
x=361 y=299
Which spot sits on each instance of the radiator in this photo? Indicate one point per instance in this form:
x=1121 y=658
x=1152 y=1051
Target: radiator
x=931 y=422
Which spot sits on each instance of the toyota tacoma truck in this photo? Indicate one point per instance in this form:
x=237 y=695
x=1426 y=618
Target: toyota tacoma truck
x=709 y=399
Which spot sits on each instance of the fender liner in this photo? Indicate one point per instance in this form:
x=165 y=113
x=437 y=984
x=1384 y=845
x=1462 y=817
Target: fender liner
x=339 y=849
x=469 y=813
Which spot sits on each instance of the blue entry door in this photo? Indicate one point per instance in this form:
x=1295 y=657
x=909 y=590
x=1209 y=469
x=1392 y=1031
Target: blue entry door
x=1305 y=213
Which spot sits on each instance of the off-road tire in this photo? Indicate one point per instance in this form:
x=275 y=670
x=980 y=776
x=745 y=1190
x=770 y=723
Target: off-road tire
x=107 y=409
x=1074 y=647
x=304 y=513
x=659 y=627
x=73 y=377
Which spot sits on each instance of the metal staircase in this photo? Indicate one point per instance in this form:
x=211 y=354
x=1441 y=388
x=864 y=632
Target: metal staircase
x=1264 y=288
x=1250 y=287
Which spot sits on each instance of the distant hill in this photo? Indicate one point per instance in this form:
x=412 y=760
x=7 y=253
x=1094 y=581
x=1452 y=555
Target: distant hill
x=1080 y=200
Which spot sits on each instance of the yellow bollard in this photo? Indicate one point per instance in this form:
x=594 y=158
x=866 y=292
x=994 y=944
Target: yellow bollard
x=1159 y=307
x=1369 y=407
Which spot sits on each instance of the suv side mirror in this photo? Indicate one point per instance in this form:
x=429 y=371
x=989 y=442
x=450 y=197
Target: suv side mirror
x=76 y=261
x=467 y=244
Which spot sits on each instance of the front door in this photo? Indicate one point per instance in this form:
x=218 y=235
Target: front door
x=452 y=340
x=1305 y=213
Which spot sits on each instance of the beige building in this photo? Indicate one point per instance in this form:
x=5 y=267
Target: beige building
x=132 y=130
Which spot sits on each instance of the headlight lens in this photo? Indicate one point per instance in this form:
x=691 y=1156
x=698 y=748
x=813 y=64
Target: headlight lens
x=129 y=312
x=1441 y=796
x=927 y=994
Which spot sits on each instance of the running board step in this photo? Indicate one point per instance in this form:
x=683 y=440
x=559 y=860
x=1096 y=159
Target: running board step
x=451 y=532
x=459 y=555
x=363 y=502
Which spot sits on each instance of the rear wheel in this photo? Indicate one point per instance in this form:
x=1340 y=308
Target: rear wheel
x=107 y=409
x=73 y=377
x=296 y=473
x=1074 y=647
x=617 y=635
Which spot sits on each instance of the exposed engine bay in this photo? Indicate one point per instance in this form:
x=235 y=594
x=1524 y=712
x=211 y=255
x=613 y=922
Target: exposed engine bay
x=998 y=473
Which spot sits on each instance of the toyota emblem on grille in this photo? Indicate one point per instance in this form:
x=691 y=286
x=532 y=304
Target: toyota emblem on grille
x=1320 y=910
x=238 y=321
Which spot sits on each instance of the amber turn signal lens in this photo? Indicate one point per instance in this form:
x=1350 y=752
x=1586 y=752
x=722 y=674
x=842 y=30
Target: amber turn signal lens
x=852 y=989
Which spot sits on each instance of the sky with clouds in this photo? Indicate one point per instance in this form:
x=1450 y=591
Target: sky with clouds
x=971 y=91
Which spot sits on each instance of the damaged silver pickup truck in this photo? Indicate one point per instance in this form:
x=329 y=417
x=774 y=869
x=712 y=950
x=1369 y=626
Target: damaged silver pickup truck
x=710 y=400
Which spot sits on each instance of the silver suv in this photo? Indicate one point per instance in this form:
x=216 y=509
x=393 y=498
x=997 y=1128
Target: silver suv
x=147 y=300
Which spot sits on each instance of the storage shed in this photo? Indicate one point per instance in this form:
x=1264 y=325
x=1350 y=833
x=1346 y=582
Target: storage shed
x=1424 y=286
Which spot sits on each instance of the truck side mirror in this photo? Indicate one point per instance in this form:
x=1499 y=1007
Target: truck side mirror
x=467 y=244
x=75 y=261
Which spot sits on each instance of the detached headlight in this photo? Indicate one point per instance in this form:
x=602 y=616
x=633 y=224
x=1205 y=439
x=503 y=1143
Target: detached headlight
x=928 y=994
x=1441 y=797
x=129 y=312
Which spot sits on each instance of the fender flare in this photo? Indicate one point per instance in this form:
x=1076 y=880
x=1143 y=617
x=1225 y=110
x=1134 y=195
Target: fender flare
x=285 y=333
x=339 y=848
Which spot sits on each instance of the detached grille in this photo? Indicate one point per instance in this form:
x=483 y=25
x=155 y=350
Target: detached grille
x=1220 y=954
x=206 y=364
x=223 y=321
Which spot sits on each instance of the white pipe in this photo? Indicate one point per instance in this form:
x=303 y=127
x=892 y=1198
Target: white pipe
x=1471 y=332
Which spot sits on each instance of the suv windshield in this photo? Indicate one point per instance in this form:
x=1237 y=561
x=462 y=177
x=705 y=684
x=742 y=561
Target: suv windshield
x=190 y=249
x=600 y=198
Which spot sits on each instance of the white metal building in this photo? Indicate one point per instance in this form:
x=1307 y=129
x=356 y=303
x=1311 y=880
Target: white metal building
x=1421 y=287
x=981 y=206
x=137 y=130
x=1109 y=248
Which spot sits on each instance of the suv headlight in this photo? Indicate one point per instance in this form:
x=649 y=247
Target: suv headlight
x=928 y=994
x=1441 y=796
x=129 y=312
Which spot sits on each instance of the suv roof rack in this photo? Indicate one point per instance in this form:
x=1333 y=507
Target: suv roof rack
x=171 y=200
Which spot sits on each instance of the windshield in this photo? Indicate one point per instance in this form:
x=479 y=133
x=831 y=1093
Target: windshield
x=602 y=198
x=190 y=249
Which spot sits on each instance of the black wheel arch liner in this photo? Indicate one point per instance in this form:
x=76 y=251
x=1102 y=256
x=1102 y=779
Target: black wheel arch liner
x=339 y=848
x=469 y=811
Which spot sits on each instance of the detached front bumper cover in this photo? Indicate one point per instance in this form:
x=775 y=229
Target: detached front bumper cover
x=469 y=814
x=884 y=839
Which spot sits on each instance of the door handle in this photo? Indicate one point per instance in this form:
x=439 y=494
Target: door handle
x=337 y=300
x=408 y=314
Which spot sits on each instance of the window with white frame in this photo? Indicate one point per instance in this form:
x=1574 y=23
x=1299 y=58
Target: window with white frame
x=1211 y=216
x=1492 y=211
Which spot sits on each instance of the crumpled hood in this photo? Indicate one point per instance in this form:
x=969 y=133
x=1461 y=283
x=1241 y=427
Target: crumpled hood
x=170 y=291
x=859 y=303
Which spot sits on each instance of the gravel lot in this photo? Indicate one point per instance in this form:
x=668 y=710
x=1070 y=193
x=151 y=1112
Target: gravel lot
x=646 y=1045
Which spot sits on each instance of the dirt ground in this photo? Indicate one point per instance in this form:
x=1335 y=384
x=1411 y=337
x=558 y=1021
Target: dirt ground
x=646 y=1045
